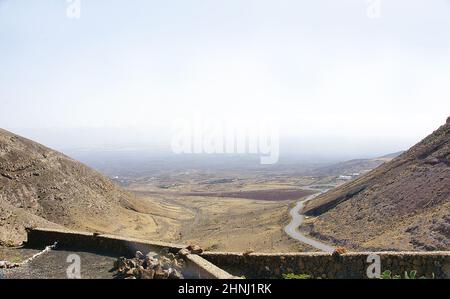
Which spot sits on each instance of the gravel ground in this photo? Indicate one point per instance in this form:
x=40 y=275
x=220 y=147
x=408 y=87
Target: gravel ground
x=54 y=265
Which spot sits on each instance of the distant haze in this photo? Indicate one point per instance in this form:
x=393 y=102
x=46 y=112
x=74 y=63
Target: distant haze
x=340 y=79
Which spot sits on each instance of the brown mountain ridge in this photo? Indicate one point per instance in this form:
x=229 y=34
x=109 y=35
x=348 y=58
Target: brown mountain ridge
x=41 y=187
x=403 y=204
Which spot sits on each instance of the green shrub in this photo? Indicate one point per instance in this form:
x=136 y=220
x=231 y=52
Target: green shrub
x=388 y=275
x=296 y=276
x=411 y=275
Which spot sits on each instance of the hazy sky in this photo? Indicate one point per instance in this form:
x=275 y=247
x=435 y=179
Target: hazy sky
x=334 y=74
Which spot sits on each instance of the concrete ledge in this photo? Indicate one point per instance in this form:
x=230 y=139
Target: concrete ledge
x=205 y=269
x=325 y=265
x=109 y=244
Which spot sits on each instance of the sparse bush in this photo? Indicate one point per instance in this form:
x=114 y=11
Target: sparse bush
x=296 y=276
x=16 y=259
x=411 y=275
x=388 y=275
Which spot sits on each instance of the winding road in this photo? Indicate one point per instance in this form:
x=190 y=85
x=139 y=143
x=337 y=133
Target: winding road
x=297 y=219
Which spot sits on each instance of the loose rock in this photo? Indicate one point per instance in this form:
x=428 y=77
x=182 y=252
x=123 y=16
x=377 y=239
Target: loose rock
x=163 y=265
x=184 y=252
x=194 y=249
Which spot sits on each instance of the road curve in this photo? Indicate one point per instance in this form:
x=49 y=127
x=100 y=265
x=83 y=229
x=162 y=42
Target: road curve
x=297 y=219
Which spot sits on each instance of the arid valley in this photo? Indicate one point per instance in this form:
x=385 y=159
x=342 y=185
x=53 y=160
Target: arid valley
x=224 y=206
x=357 y=205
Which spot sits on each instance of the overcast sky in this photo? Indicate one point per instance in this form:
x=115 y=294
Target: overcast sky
x=334 y=74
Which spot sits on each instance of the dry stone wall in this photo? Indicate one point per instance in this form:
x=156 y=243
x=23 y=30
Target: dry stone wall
x=325 y=265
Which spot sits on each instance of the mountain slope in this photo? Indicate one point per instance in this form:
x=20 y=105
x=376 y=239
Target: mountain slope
x=352 y=166
x=403 y=204
x=41 y=187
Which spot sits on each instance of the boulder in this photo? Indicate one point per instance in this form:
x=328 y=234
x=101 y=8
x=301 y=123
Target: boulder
x=120 y=263
x=152 y=254
x=139 y=255
x=175 y=274
x=161 y=273
x=194 y=249
x=184 y=252
x=146 y=273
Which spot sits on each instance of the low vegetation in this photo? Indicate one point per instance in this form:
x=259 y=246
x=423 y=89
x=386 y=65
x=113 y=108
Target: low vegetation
x=411 y=275
x=296 y=276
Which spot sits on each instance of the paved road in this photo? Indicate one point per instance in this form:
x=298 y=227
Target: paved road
x=297 y=219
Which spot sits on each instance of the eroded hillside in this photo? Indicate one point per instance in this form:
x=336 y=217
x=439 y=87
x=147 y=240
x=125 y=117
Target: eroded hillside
x=402 y=205
x=41 y=187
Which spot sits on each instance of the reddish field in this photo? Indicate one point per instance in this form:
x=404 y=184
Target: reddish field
x=270 y=194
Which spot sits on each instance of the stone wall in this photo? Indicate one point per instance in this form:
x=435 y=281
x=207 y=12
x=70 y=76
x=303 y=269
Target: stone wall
x=325 y=265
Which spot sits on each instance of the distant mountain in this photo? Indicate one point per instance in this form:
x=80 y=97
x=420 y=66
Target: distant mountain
x=403 y=204
x=352 y=166
x=392 y=156
x=41 y=187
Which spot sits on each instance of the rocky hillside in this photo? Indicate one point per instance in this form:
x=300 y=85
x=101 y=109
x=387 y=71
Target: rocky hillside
x=403 y=204
x=41 y=187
